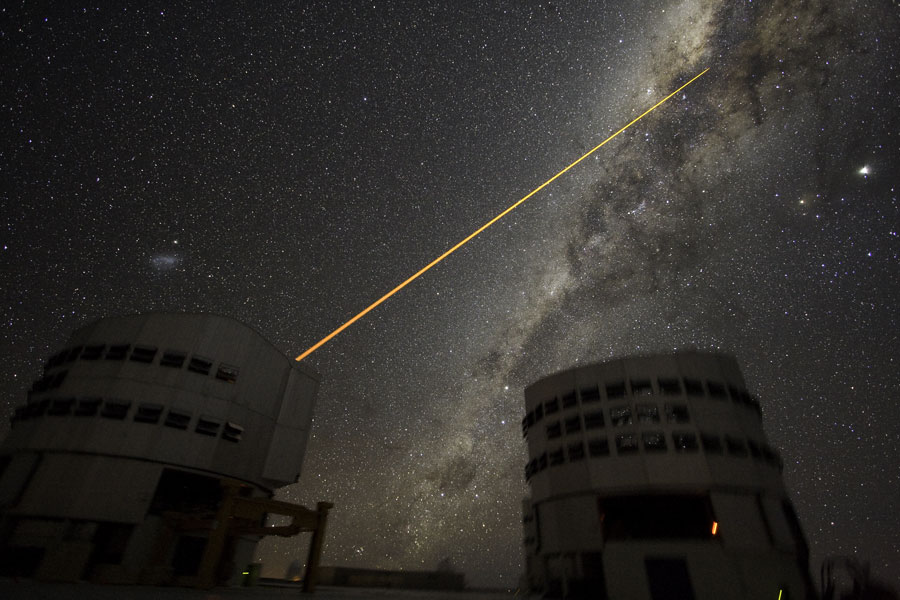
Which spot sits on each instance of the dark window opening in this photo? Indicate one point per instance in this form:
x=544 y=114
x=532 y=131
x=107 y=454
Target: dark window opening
x=576 y=452
x=553 y=430
x=233 y=433
x=693 y=387
x=200 y=365
x=556 y=457
x=712 y=444
x=626 y=443
x=771 y=456
x=110 y=541
x=735 y=446
x=735 y=393
x=664 y=516
x=36 y=409
x=593 y=420
x=684 y=441
x=56 y=360
x=148 y=413
x=615 y=390
x=598 y=447
x=573 y=424
x=87 y=407
x=620 y=416
x=227 y=373
x=58 y=379
x=753 y=402
x=74 y=353
x=654 y=441
x=173 y=359
x=208 y=426
x=542 y=462
x=117 y=352
x=144 y=354
x=716 y=389
x=677 y=413
x=538 y=412
x=525 y=425
x=178 y=419
x=61 y=406
x=187 y=555
x=669 y=387
x=115 y=409
x=569 y=400
x=647 y=413
x=551 y=406
x=591 y=394
x=755 y=450
x=20 y=414
x=93 y=352
x=42 y=384
x=641 y=387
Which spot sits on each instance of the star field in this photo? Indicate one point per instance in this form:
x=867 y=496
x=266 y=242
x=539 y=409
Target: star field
x=288 y=166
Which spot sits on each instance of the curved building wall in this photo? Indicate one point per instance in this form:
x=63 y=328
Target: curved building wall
x=141 y=414
x=656 y=468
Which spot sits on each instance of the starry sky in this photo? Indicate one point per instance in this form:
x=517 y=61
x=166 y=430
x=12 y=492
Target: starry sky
x=286 y=164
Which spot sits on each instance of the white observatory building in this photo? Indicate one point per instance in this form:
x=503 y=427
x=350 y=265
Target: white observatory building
x=145 y=435
x=651 y=478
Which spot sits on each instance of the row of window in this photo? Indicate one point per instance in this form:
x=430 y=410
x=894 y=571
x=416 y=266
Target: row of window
x=619 y=416
x=642 y=387
x=654 y=442
x=138 y=353
x=145 y=412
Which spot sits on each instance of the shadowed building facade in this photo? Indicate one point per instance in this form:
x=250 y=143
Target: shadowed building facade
x=149 y=452
x=651 y=478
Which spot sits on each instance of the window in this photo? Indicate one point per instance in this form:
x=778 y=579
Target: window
x=178 y=419
x=615 y=390
x=117 y=352
x=576 y=452
x=591 y=394
x=115 y=409
x=42 y=384
x=148 y=413
x=93 y=352
x=712 y=444
x=647 y=413
x=598 y=447
x=529 y=470
x=654 y=441
x=735 y=393
x=693 y=387
x=227 y=373
x=553 y=430
x=771 y=456
x=669 y=387
x=61 y=406
x=573 y=424
x=677 y=413
x=200 y=365
x=144 y=354
x=620 y=416
x=641 y=387
x=684 y=441
x=753 y=402
x=233 y=433
x=87 y=407
x=56 y=360
x=556 y=457
x=74 y=353
x=735 y=446
x=551 y=406
x=36 y=409
x=538 y=412
x=569 y=400
x=593 y=420
x=755 y=450
x=716 y=389
x=525 y=424
x=208 y=426
x=171 y=358
x=626 y=443
x=57 y=380
x=541 y=461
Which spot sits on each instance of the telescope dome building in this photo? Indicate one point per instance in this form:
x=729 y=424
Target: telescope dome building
x=149 y=451
x=651 y=478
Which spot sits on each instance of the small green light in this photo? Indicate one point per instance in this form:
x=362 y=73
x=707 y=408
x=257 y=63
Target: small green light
x=248 y=572
x=779 y=594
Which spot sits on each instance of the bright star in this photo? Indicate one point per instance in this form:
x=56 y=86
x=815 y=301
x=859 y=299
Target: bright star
x=864 y=171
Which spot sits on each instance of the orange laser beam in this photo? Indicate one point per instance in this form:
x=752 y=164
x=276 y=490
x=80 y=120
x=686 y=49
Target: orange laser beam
x=418 y=273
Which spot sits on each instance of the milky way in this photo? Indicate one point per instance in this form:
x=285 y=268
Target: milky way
x=309 y=160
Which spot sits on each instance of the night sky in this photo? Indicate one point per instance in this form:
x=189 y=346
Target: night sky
x=286 y=166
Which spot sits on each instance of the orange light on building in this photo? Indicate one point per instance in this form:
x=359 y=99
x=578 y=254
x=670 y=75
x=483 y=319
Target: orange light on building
x=715 y=527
